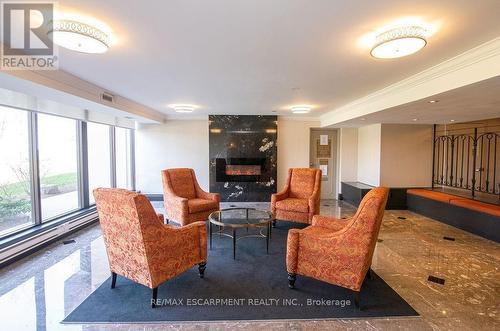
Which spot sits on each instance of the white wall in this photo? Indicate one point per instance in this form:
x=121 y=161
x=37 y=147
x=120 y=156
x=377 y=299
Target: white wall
x=175 y=144
x=293 y=146
x=348 y=156
x=369 y=140
x=406 y=155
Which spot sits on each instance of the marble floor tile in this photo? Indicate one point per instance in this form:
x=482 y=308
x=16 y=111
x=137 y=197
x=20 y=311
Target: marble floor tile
x=37 y=292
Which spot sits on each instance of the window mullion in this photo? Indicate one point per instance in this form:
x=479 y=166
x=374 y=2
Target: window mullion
x=112 y=149
x=83 y=165
x=34 y=168
x=132 y=159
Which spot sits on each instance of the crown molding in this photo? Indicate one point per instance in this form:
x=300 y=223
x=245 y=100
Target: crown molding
x=474 y=65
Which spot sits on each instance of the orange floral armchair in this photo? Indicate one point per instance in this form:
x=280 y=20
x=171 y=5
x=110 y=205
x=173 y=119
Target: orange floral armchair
x=335 y=251
x=140 y=247
x=185 y=201
x=300 y=199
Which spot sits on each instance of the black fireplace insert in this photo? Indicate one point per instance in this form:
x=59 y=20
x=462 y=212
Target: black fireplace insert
x=242 y=169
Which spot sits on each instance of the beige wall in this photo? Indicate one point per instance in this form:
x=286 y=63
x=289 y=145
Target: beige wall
x=348 y=156
x=369 y=140
x=406 y=155
x=389 y=154
x=185 y=144
x=293 y=146
x=174 y=144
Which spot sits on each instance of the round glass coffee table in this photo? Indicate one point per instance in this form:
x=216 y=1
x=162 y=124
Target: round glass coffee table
x=240 y=218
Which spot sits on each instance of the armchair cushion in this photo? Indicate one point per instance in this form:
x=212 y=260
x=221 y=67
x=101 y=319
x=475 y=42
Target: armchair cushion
x=182 y=183
x=329 y=222
x=302 y=183
x=293 y=204
x=139 y=246
x=200 y=205
x=299 y=201
x=339 y=255
x=179 y=188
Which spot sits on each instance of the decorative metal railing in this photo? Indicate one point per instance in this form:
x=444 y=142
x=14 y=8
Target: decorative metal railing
x=467 y=161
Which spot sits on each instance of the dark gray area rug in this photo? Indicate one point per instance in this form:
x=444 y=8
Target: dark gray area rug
x=252 y=287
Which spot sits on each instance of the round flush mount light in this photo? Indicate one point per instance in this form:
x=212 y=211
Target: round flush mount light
x=78 y=36
x=300 y=109
x=183 y=108
x=399 y=42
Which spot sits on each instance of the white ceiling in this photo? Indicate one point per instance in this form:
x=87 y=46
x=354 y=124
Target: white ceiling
x=260 y=56
x=473 y=102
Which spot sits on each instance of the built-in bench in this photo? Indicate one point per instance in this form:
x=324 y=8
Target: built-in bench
x=353 y=193
x=470 y=215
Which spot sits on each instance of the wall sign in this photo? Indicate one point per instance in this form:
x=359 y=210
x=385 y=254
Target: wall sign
x=323 y=166
x=323 y=151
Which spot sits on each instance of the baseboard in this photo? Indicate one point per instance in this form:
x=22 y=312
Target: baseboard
x=154 y=196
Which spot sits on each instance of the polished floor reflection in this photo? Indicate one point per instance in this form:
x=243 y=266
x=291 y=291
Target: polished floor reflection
x=37 y=292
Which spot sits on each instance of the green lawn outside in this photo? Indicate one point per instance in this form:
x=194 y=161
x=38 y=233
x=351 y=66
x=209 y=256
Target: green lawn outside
x=17 y=189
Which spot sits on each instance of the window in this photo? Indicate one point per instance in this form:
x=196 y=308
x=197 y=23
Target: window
x=49 y=166
x=123 y=158
x=15 y=175
x=58 y=165
x=99 y=157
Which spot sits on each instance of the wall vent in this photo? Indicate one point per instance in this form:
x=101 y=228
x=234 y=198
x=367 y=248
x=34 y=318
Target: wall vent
x=107 y=97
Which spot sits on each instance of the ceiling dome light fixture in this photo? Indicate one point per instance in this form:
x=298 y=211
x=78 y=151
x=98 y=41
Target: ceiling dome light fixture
x=399 y=42
x=183 y=108
x=78 y=36
x=302 y=109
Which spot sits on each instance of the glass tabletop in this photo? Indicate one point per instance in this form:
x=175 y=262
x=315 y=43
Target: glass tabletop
x=240 y=217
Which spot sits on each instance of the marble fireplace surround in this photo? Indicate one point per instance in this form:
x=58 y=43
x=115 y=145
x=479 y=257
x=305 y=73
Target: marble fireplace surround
x=243 y=157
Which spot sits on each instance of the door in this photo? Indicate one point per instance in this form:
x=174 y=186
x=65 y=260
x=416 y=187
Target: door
x=322 y=155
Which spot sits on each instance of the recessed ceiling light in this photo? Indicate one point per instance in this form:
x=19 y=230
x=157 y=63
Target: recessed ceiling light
x=399 y=42
x=415 y=119
x=433 y=101
x=452 y=120
x=78 y=36
x=185 y=108
x=300 y=109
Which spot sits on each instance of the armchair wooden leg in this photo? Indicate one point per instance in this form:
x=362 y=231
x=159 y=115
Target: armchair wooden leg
x=356 y=300
x=113 y=280
x=154 y=296
x=291 y=280
x=201 y=268
x=369 y=274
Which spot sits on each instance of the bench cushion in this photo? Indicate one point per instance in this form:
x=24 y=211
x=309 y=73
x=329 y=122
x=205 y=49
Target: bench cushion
x=477 y=206
x=438 y=196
